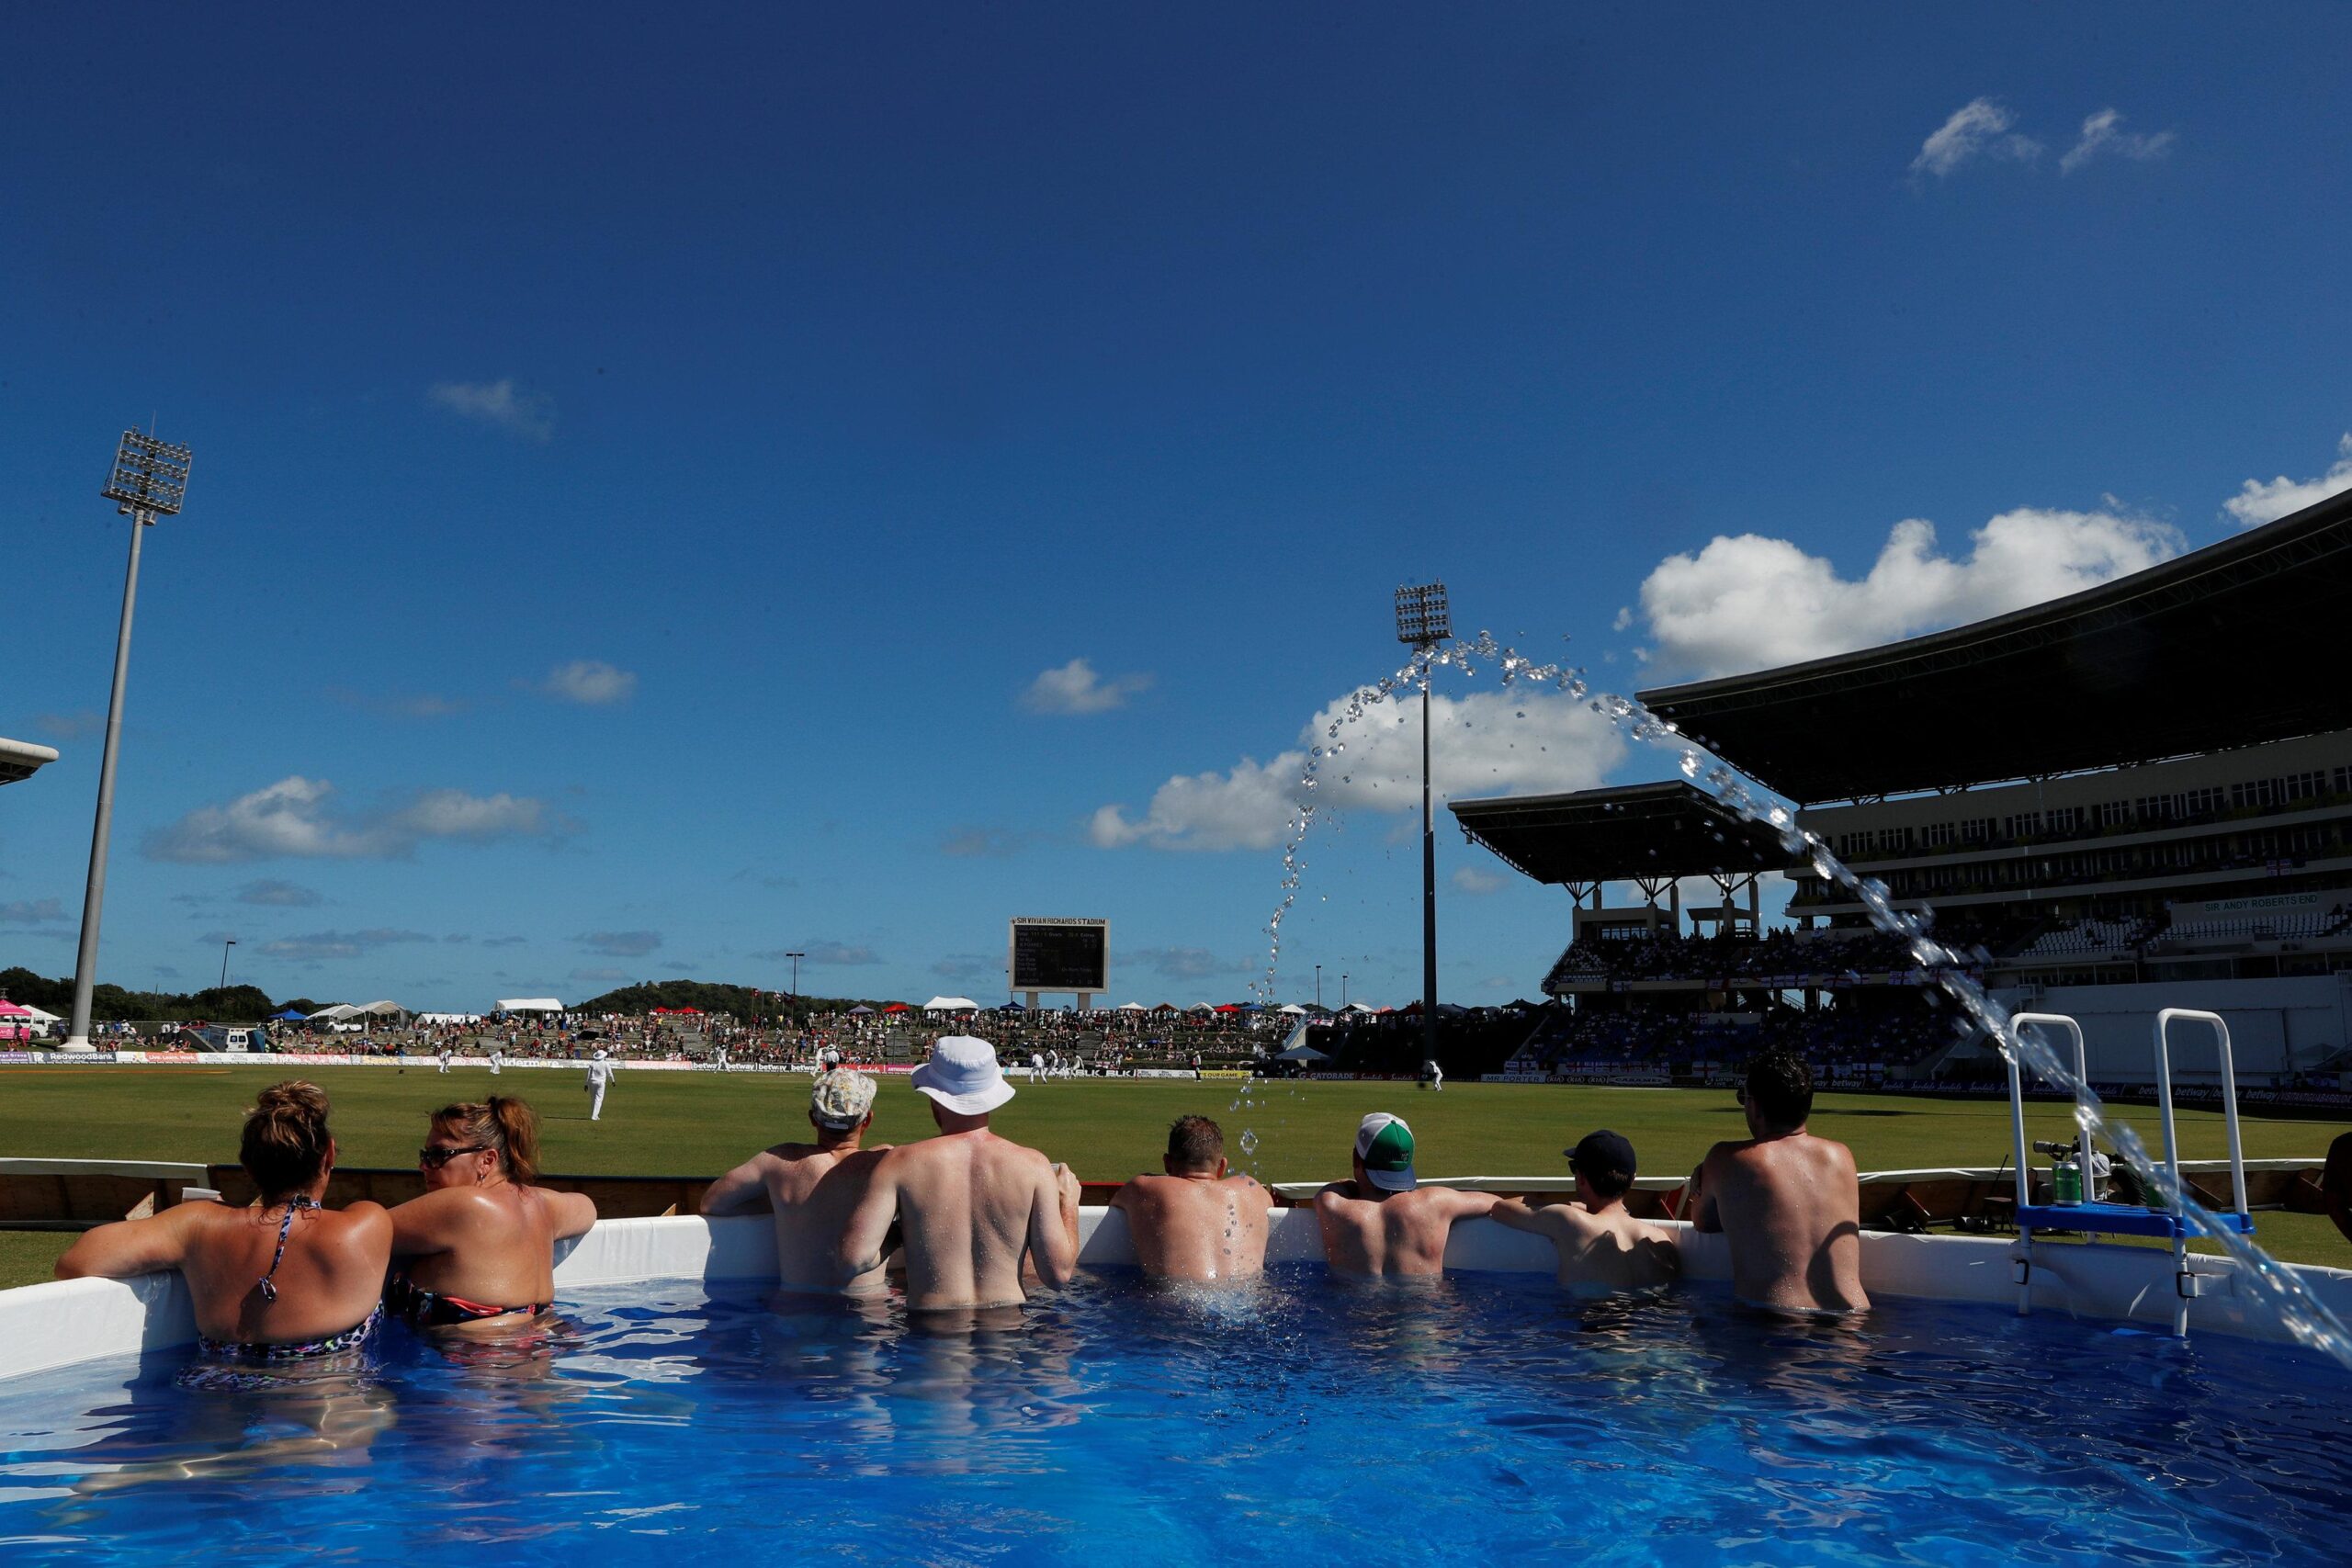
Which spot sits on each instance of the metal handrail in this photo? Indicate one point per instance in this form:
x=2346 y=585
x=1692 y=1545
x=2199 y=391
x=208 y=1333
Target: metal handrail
x=2229 y=1099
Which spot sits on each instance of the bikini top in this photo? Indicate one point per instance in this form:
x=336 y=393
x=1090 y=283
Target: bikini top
x=268 y=1289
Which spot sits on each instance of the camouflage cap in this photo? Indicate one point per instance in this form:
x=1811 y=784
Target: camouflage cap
x=840 y=1098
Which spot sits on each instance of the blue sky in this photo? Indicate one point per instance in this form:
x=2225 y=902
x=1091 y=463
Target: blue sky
x=671 y=492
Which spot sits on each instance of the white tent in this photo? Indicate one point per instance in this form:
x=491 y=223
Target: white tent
x=1202 y=1006
x=1358 y=1007
x=334 y=1014
x=35 y=1015
x=1132 y=1007
x=529 y=1004
x=951 y=1004
x=1293 y=1009
x=383 y=1010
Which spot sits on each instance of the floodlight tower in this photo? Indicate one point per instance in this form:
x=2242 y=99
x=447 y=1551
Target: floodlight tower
x=149 y=480
x=1422 y=622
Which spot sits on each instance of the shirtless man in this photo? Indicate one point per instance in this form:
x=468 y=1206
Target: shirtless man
x=1602 y=1248
x=1383 y=1223
x=970 y=1205
x=812 y=1188
x=2335 y=1183
x=1786 y=1200
x=1196 y=1223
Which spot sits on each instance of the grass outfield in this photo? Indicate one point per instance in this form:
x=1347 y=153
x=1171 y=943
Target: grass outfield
x=699 y=1123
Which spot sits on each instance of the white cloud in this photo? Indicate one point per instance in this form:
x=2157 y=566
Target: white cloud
x=498 y=405
x=620 y=944
x=591 y=683
x=280 y=894
x=1496 y=743
x=31 y=912
x=2265 y=501
x=600 y=976
x=2100 y=139
x=836 y=953
x=1751 y=603
x=1076 y=688
x=1477 y=880
x=1980 y=129
x=296 y=819
x=1188 y=963
x=321 y=945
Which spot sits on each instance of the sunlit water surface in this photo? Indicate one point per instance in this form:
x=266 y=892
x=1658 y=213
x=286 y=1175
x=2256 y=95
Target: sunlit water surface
x=1482 y=1419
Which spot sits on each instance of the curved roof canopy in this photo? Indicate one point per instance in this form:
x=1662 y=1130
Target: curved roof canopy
x=1615 y=835
x=2233 y=644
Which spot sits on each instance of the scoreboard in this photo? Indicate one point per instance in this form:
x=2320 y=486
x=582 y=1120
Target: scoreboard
x=1059 y=955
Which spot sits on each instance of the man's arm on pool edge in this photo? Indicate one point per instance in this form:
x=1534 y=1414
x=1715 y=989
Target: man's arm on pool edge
x=1053 y=1227
x=865 y=1237
x=742 y=1190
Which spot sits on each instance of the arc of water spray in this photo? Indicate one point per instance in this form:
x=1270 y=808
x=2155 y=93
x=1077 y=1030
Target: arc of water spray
x=2302 y=1314
x=1411 y=676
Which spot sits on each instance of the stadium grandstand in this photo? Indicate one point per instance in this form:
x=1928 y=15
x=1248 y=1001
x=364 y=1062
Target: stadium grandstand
x=2133 y=797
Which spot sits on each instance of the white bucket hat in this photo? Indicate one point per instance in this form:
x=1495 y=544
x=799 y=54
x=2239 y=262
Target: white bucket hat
x=962 y=1075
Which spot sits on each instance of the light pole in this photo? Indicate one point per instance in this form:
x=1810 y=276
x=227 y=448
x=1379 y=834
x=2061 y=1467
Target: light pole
x=1423 y=623
x=149 y=480
x=1343 y=990
x=796 y=958
x=225 y=946
x=1318 y=987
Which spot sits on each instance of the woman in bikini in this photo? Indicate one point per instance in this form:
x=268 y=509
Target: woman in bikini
x=283 y=1280
x=479 y=1246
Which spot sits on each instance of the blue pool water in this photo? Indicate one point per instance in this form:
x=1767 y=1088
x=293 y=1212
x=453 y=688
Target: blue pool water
x=1479 y=1420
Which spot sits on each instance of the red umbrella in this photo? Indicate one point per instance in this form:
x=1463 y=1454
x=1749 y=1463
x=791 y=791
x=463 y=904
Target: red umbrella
x=896 y=1006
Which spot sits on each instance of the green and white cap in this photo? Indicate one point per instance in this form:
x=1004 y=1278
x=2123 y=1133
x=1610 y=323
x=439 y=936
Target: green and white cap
x=1385 y=1146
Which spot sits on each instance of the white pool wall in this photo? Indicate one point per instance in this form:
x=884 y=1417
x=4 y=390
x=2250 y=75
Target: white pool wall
x=71 y=1321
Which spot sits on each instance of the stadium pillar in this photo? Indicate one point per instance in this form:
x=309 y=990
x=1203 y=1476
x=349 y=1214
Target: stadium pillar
x=94 y=891
x=1429 y=890
x=149 y=481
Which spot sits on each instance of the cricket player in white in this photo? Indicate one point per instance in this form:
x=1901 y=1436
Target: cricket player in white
x=599 y=1077
x=1036 y=1066
x=497 y=1060
x=444 y=1054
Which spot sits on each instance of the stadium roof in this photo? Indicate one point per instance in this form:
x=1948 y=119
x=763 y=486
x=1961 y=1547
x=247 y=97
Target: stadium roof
x=22 y=760
x=1617 y=835
x=2228 y=646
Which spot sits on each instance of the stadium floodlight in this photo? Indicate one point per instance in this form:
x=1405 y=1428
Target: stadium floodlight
x=150 y=476
x=1423 y=620
x=1421 y=614
x=149 y=480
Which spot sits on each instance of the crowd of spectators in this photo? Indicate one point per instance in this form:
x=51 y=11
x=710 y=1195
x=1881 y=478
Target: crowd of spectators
x=1098 y=1040
x=1862 y=1046
x=1774 y=955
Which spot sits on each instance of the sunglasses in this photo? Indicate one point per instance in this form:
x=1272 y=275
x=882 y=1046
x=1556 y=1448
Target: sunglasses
x=432 y=1158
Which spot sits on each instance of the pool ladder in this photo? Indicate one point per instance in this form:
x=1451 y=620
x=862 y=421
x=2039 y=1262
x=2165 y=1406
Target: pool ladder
x=2095 y=1217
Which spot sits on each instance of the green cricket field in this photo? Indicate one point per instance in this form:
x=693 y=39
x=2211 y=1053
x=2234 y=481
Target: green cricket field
x=666 y=1124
